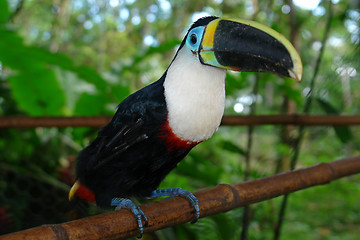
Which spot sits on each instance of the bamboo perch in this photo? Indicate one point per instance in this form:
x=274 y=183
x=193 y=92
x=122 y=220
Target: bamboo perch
x=98 y=121
x=32 y=122
x=292 y=119
x=170 y=212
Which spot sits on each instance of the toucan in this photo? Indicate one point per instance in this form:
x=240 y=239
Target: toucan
x=154 y=128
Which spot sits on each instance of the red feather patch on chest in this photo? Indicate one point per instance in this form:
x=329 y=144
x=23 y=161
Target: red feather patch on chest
x=172 y=141
x=85 y=193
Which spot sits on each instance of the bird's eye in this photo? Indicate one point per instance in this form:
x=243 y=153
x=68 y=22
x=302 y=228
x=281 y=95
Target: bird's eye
x=193 y=38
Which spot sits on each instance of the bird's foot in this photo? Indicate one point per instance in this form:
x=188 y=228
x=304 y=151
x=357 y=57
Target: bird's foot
x=179 y=192
x=120 y=203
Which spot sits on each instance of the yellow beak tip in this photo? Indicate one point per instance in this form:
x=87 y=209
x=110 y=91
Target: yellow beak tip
x=296 y=75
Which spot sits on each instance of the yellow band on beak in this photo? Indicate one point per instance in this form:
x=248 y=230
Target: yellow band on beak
x=208 y=39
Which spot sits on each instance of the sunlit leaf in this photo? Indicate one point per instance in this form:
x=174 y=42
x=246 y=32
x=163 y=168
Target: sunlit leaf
x=35 y=76
x=90 y=75
x=38 y=92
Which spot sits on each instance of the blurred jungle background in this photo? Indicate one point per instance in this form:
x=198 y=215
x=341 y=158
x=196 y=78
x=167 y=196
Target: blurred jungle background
x=82 y=57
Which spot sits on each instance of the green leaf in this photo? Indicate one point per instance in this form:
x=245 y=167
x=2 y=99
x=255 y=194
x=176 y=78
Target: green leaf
x=91 y=76
x=120 y=92
x=327 y=107
x=199 y=169
x=236 y=81
x=4 y=12
x=37 y=92
x=35 y=86
x=89 y=105
x=225 y=225
x=43 y=55
x=12 y=51
x=164 y=47
x=229 y=146
x=343 y=132
x=290 y=90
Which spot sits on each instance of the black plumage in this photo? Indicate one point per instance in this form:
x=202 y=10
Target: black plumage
x=130 y=156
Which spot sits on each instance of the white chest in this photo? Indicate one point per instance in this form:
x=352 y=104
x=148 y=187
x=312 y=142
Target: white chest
x=195 y=98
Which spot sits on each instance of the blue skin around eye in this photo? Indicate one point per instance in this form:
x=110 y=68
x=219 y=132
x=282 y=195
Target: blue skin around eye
x=198 y=31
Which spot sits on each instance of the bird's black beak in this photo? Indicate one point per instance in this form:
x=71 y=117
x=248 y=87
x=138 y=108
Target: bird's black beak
x=248 y=46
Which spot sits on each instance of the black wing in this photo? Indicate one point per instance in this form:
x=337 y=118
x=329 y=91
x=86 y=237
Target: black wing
x=113 y=145
x=138 y=118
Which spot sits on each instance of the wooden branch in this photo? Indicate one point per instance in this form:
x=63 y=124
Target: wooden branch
x=292 y=119
x=60 y=122
x=98 y=121
x=170 y=212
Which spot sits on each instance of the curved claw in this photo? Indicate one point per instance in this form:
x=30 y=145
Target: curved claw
x=193 y=201
x=120 y=203
x=179 y=192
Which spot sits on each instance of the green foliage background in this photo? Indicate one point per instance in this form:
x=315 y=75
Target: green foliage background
x=82 y=57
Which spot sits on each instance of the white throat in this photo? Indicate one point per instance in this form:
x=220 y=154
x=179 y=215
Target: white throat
x=195 y=97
